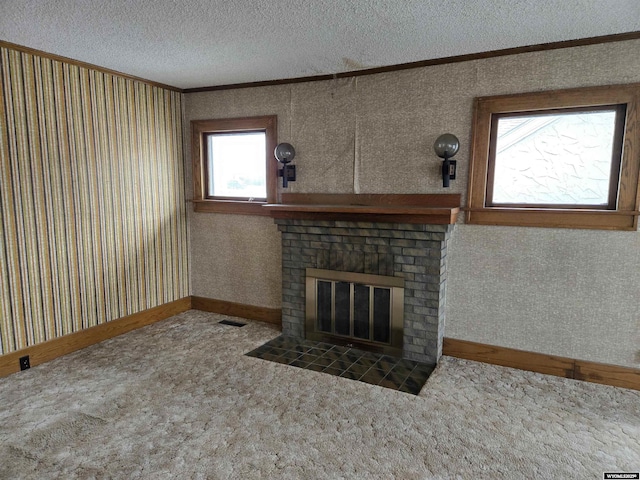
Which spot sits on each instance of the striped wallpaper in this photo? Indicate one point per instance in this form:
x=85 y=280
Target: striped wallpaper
x=92 y=205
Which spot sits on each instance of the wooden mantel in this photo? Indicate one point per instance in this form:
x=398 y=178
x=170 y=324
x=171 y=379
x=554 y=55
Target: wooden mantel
x=438 y=209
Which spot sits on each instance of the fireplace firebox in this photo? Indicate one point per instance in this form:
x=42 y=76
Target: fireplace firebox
x=359 y=309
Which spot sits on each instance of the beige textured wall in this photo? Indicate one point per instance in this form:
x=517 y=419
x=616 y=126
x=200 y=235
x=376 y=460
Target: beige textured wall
x=572 y=293
x=555 y=291
x=235 y=257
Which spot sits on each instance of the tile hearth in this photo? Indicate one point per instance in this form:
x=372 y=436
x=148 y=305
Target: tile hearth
x=383 y=370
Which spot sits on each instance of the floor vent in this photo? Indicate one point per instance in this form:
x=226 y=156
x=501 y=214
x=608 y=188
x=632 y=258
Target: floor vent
x=232 y=323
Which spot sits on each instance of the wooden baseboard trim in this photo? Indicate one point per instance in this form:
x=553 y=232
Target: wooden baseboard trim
x=603 y=373
x=606 y=374
x=263 y=314
x=47 y=351
x=509 y=357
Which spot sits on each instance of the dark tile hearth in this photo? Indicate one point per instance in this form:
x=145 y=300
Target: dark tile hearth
x=377 y=369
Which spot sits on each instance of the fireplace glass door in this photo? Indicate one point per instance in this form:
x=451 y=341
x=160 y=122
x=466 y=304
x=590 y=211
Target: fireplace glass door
x=354 y=308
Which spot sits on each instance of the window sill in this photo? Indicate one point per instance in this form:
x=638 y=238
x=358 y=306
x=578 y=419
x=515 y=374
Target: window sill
x=561 y=218
x=230 y=207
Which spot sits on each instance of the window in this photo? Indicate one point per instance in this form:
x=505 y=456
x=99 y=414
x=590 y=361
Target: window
x=234 y=170
x=556 y=159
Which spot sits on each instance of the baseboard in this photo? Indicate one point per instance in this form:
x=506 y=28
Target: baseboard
x=264 y=314
x=509 y=357
x=625 y=377
x=602 y=373
x=47 y=351
x=606 y=374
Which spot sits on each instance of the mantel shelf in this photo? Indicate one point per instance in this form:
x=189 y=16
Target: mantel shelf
x=425 y=209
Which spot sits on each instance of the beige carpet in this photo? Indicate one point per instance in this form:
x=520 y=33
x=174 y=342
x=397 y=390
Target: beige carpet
x=180 y=400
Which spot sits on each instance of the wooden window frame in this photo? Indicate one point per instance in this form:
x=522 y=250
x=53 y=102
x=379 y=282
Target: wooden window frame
x=623 y=215
x=200 y=130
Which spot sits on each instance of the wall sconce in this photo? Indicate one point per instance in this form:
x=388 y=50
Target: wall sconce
x=446 y=146
x=284 y=153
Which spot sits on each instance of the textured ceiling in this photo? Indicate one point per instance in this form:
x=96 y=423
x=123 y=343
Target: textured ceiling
x=195 y=43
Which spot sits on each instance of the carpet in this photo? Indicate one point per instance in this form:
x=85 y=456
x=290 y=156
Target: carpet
x=179 y=399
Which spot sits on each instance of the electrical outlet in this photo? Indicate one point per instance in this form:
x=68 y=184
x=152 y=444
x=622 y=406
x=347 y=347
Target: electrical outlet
x=24 y=362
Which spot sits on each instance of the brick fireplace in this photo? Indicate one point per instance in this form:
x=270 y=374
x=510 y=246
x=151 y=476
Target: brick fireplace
x=325 y=236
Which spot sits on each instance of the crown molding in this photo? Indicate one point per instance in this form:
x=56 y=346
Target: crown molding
x=71 y=61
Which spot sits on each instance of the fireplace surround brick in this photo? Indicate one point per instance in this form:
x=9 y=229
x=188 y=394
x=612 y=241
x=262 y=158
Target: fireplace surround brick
x=415 y=252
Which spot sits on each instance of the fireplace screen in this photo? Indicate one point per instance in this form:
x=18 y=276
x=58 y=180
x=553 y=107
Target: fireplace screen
x=355 y=308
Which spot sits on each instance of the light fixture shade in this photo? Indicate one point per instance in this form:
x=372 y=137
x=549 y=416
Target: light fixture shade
x=447 y=145
x=284 y=152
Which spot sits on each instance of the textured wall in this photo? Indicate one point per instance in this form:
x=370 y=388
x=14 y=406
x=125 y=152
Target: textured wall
x=93 y=223
x=573 y=293
x=235 y=257
x=374 y=134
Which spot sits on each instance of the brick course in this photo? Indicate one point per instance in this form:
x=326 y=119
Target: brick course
x=414 y=252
